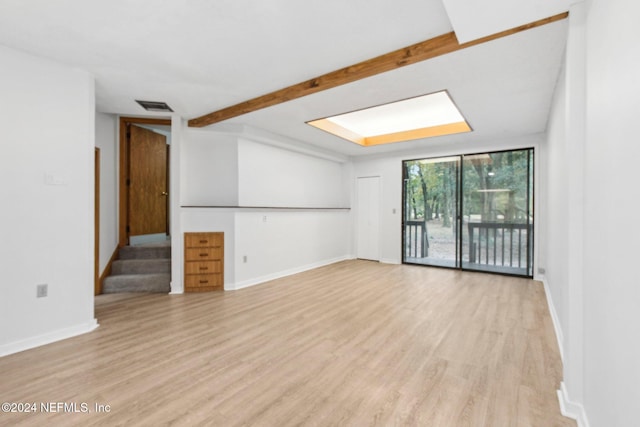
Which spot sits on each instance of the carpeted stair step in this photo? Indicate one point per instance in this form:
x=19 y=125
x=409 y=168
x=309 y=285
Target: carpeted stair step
x=141 y=266
x=145 y=252
x=157 y=282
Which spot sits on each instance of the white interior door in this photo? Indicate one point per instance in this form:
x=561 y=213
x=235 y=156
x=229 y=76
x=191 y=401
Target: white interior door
x=368 y=218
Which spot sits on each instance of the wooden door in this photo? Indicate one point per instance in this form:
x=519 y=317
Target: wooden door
x=368 y=217
x=147 y=182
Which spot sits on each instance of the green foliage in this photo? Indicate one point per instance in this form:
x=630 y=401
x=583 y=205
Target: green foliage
x=496 y=187
x=430 y=189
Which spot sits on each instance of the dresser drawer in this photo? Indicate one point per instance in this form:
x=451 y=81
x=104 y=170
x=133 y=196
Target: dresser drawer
x=203 y=281
x=203 y=267
x=202 y=240
x=203 y=261
x=203 y=254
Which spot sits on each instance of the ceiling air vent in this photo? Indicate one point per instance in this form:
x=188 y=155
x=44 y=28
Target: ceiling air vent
x=155 y=106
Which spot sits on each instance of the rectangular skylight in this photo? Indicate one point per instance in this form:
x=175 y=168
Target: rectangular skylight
x=414 y=118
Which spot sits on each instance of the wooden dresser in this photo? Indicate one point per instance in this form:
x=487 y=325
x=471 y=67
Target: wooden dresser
x=203 y=262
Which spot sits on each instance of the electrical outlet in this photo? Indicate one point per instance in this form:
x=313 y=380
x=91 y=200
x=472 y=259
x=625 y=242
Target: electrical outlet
x=541 y=270
x=244 y=259
x=42 y=290
x=264 y=218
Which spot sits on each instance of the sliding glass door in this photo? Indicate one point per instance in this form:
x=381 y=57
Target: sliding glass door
x=497 y=204
x=473 y=212
x=431 y=228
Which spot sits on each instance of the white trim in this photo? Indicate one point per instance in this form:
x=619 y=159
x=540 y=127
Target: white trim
x=568 y=408
x=571 y=409
x=278 y=275
x=554 y=315
x=390 y=261
x=47 y=338
x=175 y=210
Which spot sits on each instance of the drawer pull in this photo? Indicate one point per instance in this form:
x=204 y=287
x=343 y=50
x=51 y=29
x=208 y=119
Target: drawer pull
x=204 y=281
x=204 y=254
x=204 y=241
x=204 y=268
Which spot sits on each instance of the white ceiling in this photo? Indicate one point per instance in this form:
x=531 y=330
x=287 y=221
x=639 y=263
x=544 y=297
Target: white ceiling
x=203 y=55
x=474 y=20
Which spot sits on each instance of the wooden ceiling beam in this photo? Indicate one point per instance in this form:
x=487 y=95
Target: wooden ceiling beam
x=428 y=49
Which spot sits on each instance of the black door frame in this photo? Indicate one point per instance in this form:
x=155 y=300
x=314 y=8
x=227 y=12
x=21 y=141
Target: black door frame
x=460 y=207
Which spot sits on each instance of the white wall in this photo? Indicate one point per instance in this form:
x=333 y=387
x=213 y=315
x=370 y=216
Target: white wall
x=591 y=239
x=176 y=169
x=233 y=170
x=612 y=237
x=47 y=113
x=276 y=177
x=555 y=208
x=279 y=243
x=389 y=169
x=209 y=169
x=107 y=141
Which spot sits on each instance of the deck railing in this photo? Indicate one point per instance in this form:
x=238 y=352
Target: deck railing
x=500 y=244
x=416 y=242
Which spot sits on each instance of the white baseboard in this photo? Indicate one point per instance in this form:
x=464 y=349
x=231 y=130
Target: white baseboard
x=571 y=409
x=389 y=261
x=289 y=272
x=176 y=289
x=554 y=315
x=568 y=408
x=48 y=338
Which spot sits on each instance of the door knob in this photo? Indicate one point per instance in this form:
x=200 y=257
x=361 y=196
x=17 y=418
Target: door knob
x=164 y=193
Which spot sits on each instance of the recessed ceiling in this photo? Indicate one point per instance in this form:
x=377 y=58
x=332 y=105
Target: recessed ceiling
x=503 y=87
x=200 y=56
x=422 y=116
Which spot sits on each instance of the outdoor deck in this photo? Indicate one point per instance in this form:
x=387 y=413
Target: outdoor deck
x=491 y=247
x=471 y=266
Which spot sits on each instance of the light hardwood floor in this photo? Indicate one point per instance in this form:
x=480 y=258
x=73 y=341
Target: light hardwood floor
x=355 y=343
